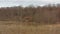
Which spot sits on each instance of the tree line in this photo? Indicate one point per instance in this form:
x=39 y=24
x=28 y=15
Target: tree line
x=45 y=14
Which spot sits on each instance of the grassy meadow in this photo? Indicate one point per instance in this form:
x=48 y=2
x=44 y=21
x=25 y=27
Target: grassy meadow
x=14 y=27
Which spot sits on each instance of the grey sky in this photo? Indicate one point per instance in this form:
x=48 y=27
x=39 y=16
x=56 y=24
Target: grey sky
x=5 y=3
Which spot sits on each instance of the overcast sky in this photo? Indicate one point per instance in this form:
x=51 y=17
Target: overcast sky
x=5 y=3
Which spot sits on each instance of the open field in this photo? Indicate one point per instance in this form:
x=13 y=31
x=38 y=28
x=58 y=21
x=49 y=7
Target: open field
x=11 y=27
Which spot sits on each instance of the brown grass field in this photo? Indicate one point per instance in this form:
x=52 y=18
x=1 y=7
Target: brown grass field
x=13 y=27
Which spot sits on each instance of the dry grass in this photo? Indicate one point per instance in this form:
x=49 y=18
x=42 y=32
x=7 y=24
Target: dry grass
x=13 y=27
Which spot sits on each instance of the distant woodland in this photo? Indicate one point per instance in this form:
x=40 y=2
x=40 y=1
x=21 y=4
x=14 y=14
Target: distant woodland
x=46 y=14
